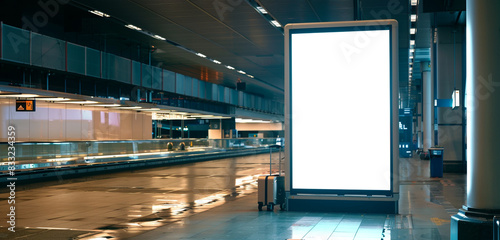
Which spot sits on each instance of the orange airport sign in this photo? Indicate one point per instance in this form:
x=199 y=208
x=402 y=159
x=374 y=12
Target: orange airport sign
x=25 y=106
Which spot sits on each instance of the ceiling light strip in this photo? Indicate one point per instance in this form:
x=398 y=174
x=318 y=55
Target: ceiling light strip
x=99 y=13
x=264 y=13
x=130 y=26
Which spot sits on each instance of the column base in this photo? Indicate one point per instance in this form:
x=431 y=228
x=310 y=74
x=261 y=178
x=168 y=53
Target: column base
x=471 y=223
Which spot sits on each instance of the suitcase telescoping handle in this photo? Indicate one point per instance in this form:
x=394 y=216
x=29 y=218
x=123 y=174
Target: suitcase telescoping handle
x=271 y=159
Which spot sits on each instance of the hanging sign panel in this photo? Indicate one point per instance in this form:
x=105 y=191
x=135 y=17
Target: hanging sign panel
x=341 y=73
x=25 y=105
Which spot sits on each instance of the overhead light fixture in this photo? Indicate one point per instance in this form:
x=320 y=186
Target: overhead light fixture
x=261 y=10
x=164 y=111
x=455 y=99
x=151 y=109
x=215 y=61
x=239 y=71
x=229 y=67
x=135 y=107
x=99 y=13
x=159 y=37
x=243 y=120
x=414 y=2
x=133 y=27
x=412 y=42
x=413 y=30
x=250 y=76
x=79 y=102
x=201 y=55
x=202 y=116
x=48 y=99
x=105 y=105
x=413 y=17
x=275 y=23
x=411 y=56
x=18 y=95
x=412 y=50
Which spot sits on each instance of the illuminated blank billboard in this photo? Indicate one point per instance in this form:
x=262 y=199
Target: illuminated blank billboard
x=339 y=103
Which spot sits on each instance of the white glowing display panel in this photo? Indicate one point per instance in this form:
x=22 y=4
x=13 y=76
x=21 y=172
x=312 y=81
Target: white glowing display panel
x=340 y=104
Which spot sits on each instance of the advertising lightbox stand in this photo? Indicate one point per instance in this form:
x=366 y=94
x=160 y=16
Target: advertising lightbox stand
x=341 y=89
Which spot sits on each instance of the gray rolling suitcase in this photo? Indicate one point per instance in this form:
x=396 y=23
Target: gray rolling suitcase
x=271 y=188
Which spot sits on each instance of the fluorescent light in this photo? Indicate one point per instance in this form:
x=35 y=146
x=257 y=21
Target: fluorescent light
x=79 y=102
x=414 y=2
x=151 y=109
x=275 y=23
x=239 y=71
x=18 y=95
x=207 y=116
x=105 y=105
x=159 y=37
x=136 y=107
x=202 y=116
x=99 y=13
x=250 y=76
x=243 y=120
x=215 y=61
x=413 y=30
x=229 y=67
x=133 y=27
x=412 y=42
x=261 y=10
x=411 y=56
x=52 y=99
x=201 y=55
x=455 y=96
x=413 y=17
x=412 y=50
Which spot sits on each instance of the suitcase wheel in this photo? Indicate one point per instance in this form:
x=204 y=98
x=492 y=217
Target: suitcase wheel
x=270 y=207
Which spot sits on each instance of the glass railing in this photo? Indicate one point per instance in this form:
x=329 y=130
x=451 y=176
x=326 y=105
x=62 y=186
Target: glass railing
x=33 y=155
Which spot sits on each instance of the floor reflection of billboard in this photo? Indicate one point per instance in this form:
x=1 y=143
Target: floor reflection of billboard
x=341 y=77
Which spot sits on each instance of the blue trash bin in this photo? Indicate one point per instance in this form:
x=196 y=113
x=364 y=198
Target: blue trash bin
x=436 y=157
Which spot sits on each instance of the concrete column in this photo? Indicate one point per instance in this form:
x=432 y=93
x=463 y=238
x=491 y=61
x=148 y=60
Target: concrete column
x=428 y=106
x=483 y=20
x=449 y=77
x=474 y=221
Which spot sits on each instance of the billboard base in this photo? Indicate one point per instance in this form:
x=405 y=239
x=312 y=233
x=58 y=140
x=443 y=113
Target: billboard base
x=343 y=204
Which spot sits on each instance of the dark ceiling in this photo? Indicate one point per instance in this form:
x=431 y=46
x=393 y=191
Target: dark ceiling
x=234 y=33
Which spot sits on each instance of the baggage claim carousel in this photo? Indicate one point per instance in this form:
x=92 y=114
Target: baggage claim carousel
x=48 y=160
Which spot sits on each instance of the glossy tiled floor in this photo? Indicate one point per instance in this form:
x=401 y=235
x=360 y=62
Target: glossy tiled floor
x=217 y=200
